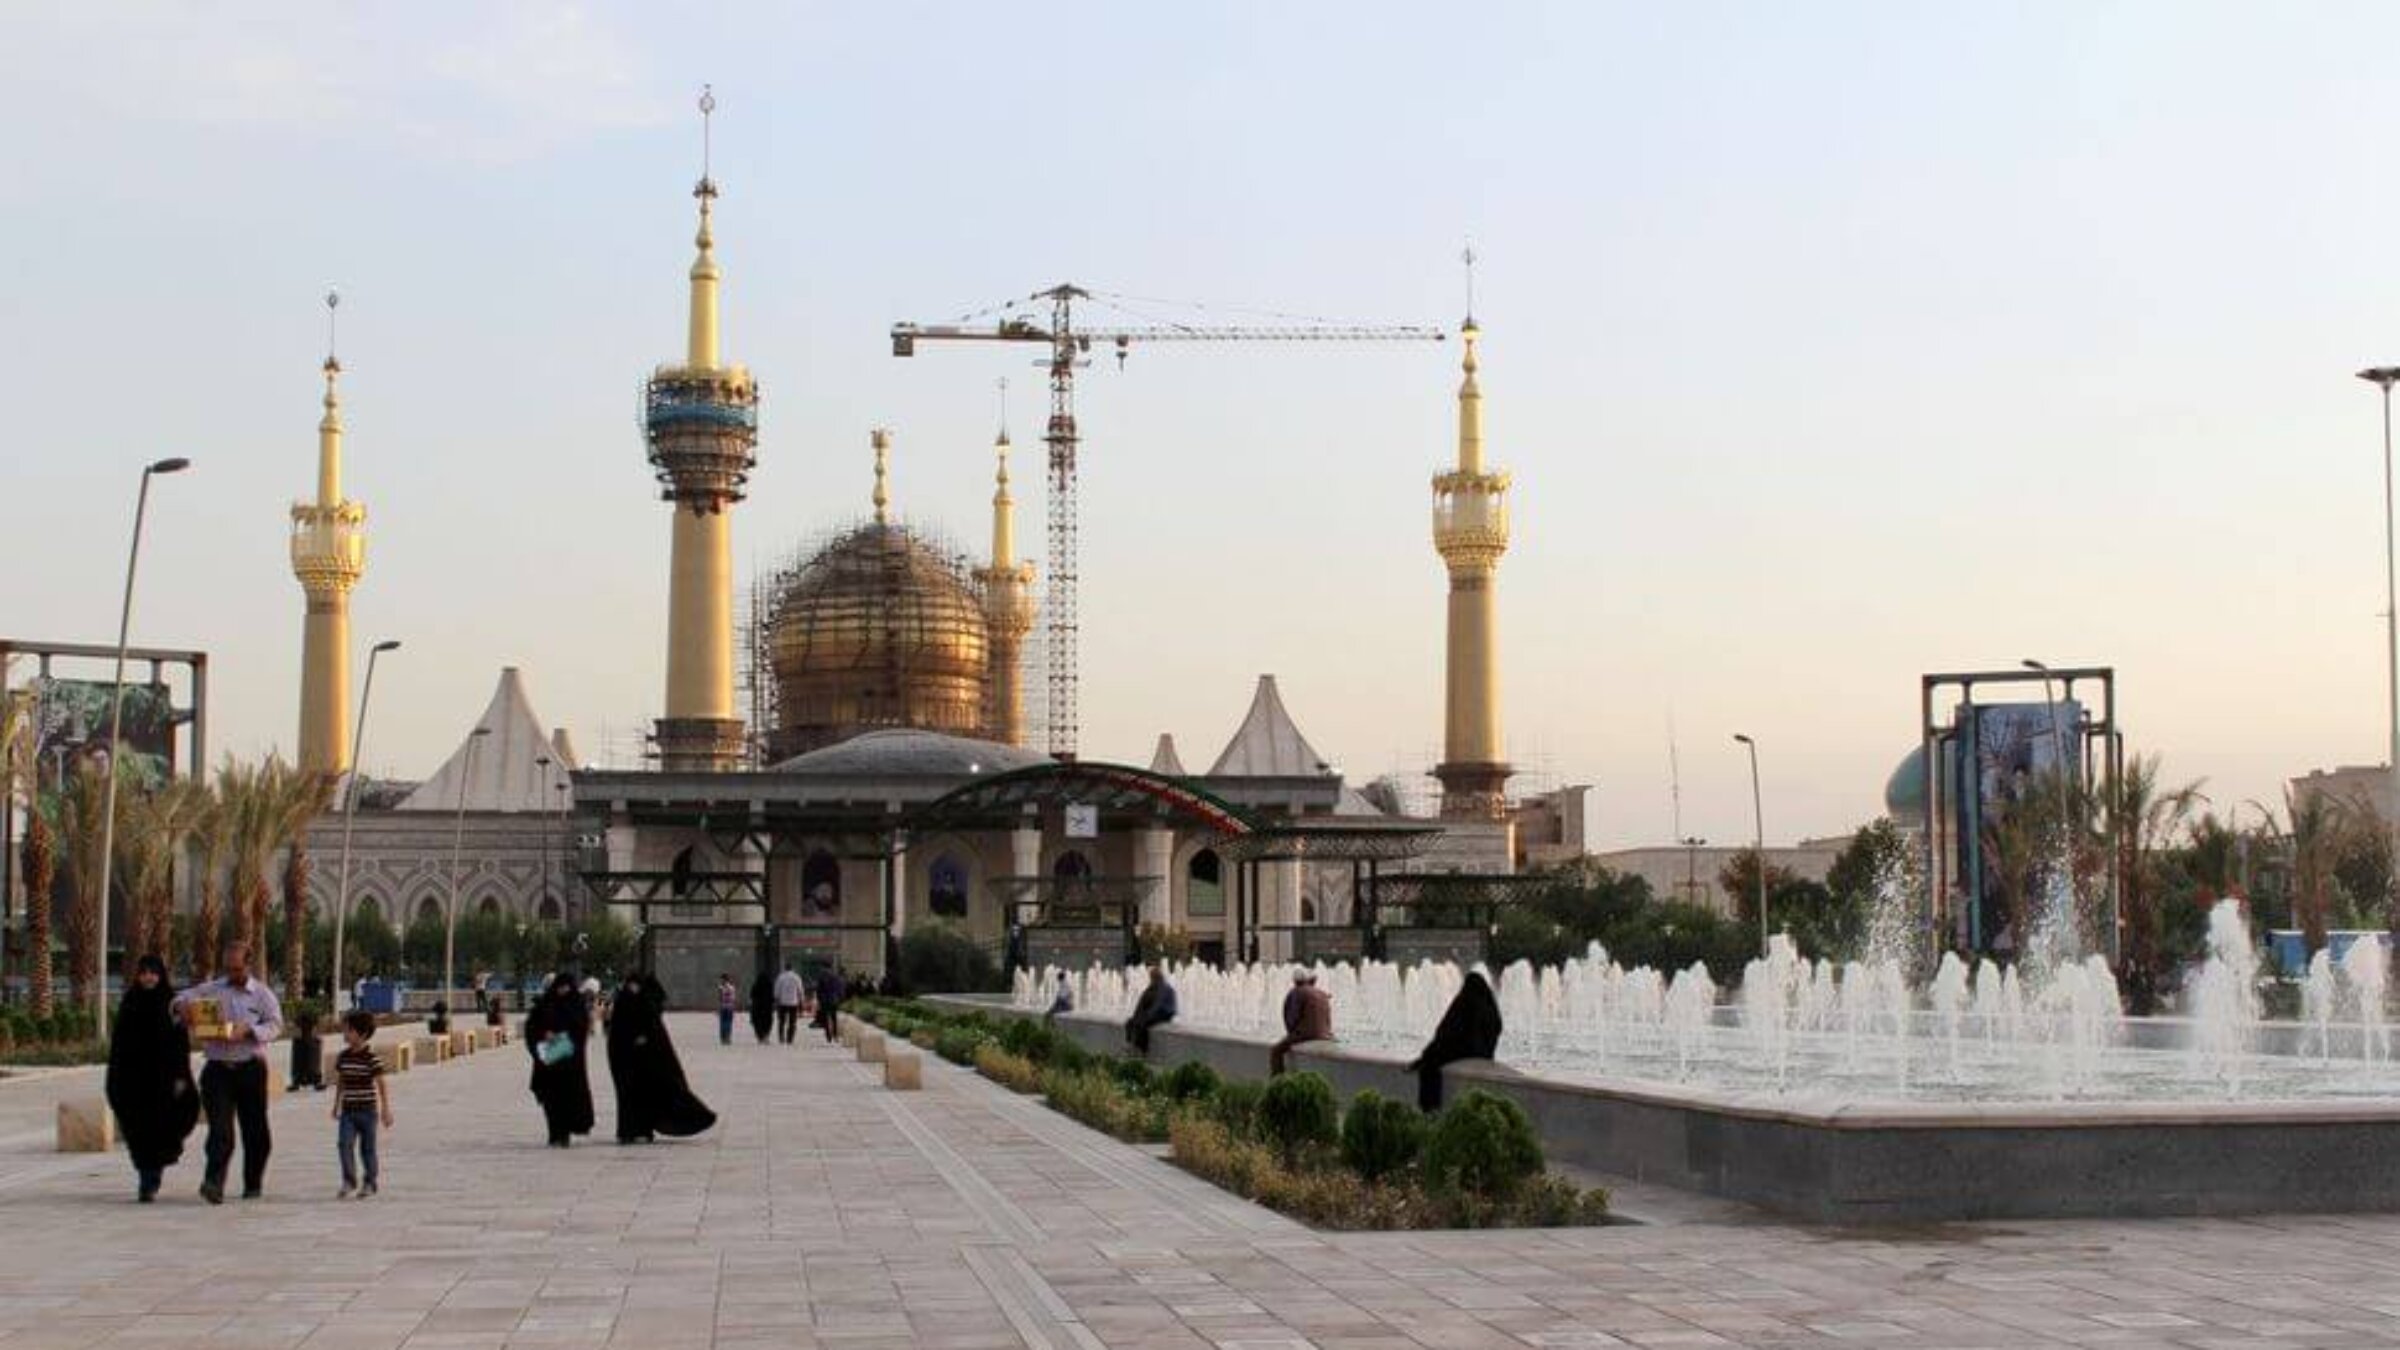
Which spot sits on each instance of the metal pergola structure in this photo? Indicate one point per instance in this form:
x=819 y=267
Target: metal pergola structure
x=1954 y=852
x=1366 y=843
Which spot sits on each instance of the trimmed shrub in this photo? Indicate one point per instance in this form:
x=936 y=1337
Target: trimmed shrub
x=959 y=1044
x=1133 y=1075
x=1028 y=1039
x=1068 y=1054
x=1380 y=1136
x=1297 y=1111
x=1236 y=1108
x=1482 y=1145
x=1097 y=1101
x=1190 y=1081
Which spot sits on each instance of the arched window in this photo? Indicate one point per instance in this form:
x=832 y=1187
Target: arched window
x=489 y=907
x=1071 y=863
x=367 y=910
x=679 y=873
x=549 y=911
x=429 y=907
x=1204 y=886
x=946 y=887
x=820 y=886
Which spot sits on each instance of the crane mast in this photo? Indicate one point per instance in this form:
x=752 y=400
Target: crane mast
x=1069 y=347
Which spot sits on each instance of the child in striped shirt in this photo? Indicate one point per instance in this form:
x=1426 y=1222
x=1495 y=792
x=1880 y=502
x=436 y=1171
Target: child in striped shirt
x=361 y=1099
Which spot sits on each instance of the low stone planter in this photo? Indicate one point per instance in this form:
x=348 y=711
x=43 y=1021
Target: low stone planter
x=903 y=1070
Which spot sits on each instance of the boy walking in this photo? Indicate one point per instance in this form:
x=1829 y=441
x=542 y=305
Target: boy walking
x=361 y=1100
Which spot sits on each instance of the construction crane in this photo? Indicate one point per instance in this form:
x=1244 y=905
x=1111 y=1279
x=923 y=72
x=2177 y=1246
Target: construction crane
x=1070 y=348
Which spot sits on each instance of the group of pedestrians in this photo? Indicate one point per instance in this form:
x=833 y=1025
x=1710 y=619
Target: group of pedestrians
x=777 y=1001
x=653 y=1096
x=234 y=1018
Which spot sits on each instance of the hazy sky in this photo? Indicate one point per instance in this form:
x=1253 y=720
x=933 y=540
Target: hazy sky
x=1829 y=345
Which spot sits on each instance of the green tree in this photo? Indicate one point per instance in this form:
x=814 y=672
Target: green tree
x=2143 y=815
x=1738 y=878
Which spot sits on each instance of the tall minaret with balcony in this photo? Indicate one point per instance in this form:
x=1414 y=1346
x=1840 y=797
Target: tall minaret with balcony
x=1008 y=613
x=1470 y=532
x=329 y=554
x=700 y=419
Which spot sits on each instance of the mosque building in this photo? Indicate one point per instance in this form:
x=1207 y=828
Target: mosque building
x=880 y=779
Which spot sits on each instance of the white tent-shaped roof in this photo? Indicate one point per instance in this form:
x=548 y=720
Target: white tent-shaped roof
x=1269 y=745
x=1165 y=760
x=515 y=768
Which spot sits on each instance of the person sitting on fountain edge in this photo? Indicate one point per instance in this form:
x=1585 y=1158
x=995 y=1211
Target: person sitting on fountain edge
x=1307 y=1016
x=1155 y=1006
x=1470 y=1029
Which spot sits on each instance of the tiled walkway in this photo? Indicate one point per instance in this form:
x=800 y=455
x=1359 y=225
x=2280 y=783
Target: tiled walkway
x=825 y=1211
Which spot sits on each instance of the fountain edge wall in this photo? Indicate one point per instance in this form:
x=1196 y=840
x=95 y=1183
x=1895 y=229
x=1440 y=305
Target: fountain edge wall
x=1885 y=1162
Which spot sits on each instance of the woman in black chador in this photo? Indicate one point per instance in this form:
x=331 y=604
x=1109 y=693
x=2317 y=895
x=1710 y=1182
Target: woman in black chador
x=762 y=1005
x=1469 y=1030
x=652 y=1096
x=150 y=1077
x=556 y=1033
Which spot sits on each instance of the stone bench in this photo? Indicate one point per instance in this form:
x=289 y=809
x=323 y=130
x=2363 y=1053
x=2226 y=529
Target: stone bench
x=903 y=1070
x=870 y=1046
x=846 y=1029
x=86 y=1125
x=432 y=1049
x=462 y=1042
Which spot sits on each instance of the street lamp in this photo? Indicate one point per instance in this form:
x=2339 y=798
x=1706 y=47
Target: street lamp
x=458 y=829
x=116 y=726
x=1691 y=867
x=542 y=764
x=358 y=747
x=1758 y=816
x=2383 y=377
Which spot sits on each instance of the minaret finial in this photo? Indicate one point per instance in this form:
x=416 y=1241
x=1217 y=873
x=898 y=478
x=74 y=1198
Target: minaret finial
x=700 y=350
x=1002 y=384
x=1467 y=257
x=333 y=306
x=881 y=439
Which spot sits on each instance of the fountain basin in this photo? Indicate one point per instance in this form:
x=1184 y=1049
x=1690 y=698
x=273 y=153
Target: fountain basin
x=1869 y=1162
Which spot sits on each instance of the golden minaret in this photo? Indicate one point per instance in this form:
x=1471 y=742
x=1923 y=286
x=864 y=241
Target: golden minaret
x=701 y=420
x=1470 y=531
x=1007 y=612
x=329 y=554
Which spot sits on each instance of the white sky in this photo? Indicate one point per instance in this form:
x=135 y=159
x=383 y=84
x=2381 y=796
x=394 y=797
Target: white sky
x=1829 y=345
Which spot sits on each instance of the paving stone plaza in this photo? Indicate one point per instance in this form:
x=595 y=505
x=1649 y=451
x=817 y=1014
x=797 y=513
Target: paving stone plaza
x=827 y=1211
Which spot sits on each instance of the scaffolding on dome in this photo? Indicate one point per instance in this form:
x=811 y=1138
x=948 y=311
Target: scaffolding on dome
x=874 y=624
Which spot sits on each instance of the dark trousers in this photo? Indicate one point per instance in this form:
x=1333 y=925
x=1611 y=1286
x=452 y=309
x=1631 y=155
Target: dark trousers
x=787 y=1023
x=231 y=1094
x=724 y=1026
x=832 y=1016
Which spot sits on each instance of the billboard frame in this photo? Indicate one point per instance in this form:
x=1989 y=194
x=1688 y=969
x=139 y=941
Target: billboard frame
x=2100 y=747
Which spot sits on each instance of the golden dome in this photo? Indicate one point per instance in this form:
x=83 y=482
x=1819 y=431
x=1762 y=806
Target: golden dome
x=879 y=629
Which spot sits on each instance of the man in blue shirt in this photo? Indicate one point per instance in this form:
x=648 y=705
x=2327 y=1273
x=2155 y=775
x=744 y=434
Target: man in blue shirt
x=233 y=1081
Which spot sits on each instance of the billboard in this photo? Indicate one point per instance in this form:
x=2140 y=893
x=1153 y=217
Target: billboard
x=2015 y=750
x=70 y=723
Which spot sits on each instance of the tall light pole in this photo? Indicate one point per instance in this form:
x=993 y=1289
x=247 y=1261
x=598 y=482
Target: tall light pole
x=1758 y=816
x=1691 y=867
x=358 y=749
x=2383 y=377
x=116 y=727
x=458 y=830
x=542 y=812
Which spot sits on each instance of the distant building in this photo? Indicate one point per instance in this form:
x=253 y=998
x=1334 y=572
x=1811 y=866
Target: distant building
x=2350 y=785
x=1690 y=875
x=1549 y=827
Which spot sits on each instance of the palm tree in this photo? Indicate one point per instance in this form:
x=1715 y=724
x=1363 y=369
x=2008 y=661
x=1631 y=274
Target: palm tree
x=37 y=850
x=2314 y=828
x=248 y=795
x=213 y=831
x=302 y=798
x=2141 y=816
x=156 y=824
x=83 y=822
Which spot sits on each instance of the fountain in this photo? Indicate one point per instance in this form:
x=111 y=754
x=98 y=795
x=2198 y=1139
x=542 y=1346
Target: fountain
x=1844 y=1091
